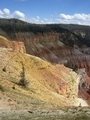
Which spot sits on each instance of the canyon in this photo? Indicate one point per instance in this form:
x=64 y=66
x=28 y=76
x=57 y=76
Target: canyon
x=55 y=57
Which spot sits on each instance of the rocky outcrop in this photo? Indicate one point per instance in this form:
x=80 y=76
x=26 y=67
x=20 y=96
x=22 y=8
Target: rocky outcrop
x=84 y=86
x=13 y=45
x=18 y=46
x=4 y=42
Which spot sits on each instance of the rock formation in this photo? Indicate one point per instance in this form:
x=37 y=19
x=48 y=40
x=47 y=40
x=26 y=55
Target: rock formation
x=58 y=44
x=12 y=45
x=54 y=85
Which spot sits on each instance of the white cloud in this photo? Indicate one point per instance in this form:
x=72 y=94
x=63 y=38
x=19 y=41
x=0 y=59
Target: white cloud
x=63 y=16
x=1 y=13
x=73 y=17
x=83 y=19
x=6 y=11
x=18 y=14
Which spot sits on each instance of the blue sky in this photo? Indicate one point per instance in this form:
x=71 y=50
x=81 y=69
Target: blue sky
x=47 y=11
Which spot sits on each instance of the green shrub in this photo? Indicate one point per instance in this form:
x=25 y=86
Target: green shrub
x=1 y=88
x=23 y=82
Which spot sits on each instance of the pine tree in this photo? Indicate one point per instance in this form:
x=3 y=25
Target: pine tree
x=23 y=82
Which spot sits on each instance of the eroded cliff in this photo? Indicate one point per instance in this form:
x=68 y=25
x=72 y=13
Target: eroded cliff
x=57 y=44
x=48 y=85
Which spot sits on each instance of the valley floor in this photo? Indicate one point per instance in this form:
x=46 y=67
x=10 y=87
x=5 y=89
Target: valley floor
x=76 y=113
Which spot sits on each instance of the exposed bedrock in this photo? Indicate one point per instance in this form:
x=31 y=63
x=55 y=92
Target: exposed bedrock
x=58 y=44
x=12 y=45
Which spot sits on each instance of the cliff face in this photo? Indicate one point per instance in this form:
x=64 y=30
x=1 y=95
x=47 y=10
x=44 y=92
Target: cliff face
x=18 y=46
x=62 y=48
x=13 y=45
x=50 y=46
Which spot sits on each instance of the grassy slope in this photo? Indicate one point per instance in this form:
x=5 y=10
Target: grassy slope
x=44 y=79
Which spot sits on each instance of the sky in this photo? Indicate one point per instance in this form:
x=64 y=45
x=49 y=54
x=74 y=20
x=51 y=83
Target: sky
x=47 y=11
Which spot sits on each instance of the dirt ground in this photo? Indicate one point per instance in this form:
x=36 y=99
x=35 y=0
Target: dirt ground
x=76 y=113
